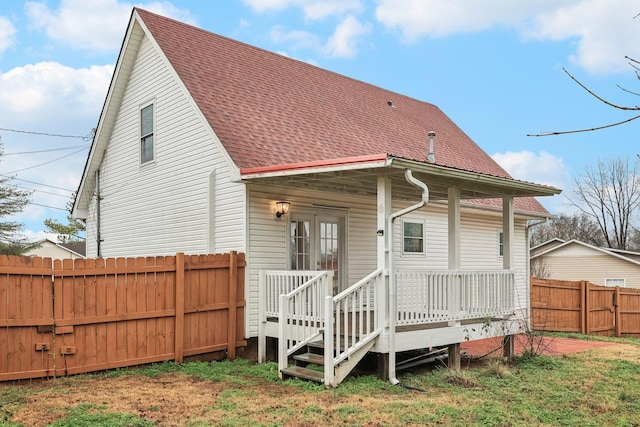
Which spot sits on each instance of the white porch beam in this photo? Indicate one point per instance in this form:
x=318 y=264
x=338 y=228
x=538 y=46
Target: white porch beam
x=454 y=227
x=507 y=232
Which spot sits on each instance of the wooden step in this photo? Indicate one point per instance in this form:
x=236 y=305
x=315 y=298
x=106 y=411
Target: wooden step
x=315 y=358
x=304 y=373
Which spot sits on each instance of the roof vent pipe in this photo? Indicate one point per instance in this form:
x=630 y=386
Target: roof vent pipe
x=431 y=158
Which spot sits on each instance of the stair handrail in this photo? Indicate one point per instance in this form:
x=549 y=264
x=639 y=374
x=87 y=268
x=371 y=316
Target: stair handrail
x=363 y=299
x=309 y=325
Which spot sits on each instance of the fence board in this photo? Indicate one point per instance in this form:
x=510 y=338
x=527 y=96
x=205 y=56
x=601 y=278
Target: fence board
x=565 y=306
x=110 y=313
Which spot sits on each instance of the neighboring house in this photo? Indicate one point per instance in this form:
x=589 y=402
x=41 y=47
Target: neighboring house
x=207 y=145
x=49 y=248
x=575 y=260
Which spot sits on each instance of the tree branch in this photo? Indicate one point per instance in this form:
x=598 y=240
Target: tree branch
x=584 y=130
x=601 y=99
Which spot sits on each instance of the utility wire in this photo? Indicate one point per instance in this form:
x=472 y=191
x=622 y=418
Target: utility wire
x=46 y=163
x=45 y=151
x=37 y=183
x=47 y=206
x=43 y=191
x=86 y=137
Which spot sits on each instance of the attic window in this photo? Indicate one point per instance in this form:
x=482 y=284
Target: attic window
x=146 y=134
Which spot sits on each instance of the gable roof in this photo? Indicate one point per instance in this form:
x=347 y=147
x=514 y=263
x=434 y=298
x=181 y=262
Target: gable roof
x=603 y=251
x=268 y=109
x=271 y=111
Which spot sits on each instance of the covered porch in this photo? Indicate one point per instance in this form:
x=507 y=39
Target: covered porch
x=399 y=306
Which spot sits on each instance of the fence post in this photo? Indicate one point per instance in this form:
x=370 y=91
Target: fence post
x=233 y=297
x=582 y=301
x=587 y=307
x=179 y=324
x=616 y=314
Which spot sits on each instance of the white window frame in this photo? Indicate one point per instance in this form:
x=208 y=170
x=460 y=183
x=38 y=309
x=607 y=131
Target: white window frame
x=423 y=223
x=500 y=240
x=617 y=280
x=153 y=133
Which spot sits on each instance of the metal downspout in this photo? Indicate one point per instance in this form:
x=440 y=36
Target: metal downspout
x=393 y=296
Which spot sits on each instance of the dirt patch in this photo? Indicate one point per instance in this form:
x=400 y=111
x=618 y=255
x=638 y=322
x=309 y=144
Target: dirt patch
x=540 y=345
x=175 y=399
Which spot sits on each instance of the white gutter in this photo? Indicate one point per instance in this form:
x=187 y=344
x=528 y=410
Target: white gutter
x=393 y=296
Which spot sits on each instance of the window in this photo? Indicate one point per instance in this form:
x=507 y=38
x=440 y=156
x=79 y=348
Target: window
x=500 y=243
x=614 y=282
x=146 y=134
x=300 y=245
x=413 y=237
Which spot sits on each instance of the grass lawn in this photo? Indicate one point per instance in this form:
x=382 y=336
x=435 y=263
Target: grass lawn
x=593 y=388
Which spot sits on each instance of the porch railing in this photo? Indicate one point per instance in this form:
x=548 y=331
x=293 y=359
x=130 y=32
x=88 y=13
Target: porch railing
x=355 y=322
x=301 y=313
x=444 y=296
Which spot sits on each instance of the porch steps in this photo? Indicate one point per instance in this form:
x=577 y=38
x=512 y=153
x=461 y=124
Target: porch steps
x=315 y=354
x=304 y=373
x=306 y=358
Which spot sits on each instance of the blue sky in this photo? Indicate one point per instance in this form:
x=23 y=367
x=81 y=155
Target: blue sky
x=494 y=66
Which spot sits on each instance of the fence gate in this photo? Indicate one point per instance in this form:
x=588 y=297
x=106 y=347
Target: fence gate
x=600 y=303
x=26 y=318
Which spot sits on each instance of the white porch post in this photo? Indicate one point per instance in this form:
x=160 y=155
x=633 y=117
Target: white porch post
x=453 y=206
x=454 y=227
x=384 y=211
x=508 y=347
x=507 y=232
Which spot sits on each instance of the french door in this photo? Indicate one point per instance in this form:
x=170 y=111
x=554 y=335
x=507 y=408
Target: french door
x=316 y=242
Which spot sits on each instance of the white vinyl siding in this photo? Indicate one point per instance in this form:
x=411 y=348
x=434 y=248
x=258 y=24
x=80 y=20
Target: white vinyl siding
x=579 y=263
x=268 y=246
x=165 y=208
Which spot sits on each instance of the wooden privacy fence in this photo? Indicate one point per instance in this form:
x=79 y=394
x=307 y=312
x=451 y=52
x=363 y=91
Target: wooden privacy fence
x=71 y=316
x=582 y=307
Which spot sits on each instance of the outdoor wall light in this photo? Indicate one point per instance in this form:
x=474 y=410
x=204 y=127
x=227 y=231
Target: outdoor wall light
x=282 y=208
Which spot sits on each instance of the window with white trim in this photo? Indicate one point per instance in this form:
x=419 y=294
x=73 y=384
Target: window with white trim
x=146 y=134
x=413 y=237
x=500 y=244
x=614 y=282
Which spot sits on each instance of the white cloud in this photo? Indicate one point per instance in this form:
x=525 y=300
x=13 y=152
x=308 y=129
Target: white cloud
x=605 y=32
x=52 y=90
x=93 y=25
x=7 y=34
x=603 y=29
x=541 y=168
x=295 y=39
x=312 y=9
x=343 y=43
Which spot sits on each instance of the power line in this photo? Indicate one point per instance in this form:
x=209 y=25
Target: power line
x=45 y=151
x=37 y=183
x=46 y=163
x=86 y=137
x=43 y=191
x=47 y=206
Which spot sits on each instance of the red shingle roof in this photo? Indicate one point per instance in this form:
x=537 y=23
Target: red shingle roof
x=268 y=109
x=271 y=110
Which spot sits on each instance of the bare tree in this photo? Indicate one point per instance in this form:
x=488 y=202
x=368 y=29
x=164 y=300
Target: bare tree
x=610 y=194
x=636 y=66
x=579 y=226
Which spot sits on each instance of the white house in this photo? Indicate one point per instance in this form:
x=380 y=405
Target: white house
x=352 y=200
x=49 y=248
x=575 y=260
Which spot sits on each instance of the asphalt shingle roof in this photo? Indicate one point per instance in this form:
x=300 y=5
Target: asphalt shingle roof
x=271 y=110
